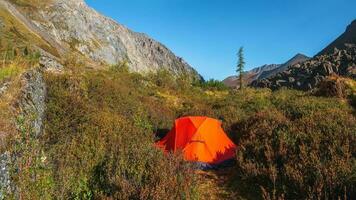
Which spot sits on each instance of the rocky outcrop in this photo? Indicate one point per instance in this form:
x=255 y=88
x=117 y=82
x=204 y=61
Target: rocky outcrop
x=3 y=87
x=48 y=62
x=5 y=181
x=31 y=104
x=75 y=26
x=31 y=110
x=307 y=75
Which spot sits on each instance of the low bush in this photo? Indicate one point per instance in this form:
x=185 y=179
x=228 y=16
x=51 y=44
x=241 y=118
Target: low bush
x=99 y=139
x=100 y=132
x=308 y=158
x=212 y=84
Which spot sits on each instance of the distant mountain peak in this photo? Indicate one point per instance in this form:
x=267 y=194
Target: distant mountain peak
x=298 y=58
x=300 y=55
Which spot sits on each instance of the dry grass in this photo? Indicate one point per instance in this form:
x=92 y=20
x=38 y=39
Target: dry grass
x=33 y=4
x=7 y=124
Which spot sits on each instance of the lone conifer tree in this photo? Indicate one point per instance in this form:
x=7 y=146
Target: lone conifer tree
x=240 y=66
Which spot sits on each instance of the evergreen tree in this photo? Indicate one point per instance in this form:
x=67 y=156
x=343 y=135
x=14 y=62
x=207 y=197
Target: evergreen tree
x=240 y=66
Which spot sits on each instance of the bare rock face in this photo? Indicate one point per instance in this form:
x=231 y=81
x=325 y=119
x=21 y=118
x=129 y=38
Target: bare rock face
x=78 y=27
x=5 y=179
x=31 y=104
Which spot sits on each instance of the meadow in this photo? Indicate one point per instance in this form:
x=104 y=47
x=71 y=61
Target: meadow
x=101 y=126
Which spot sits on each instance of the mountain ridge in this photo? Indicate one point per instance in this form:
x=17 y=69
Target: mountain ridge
x=294 y=60
x=265 y=71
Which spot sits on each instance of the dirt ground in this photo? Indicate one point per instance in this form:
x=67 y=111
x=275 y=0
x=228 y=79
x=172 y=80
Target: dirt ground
x=214 y=184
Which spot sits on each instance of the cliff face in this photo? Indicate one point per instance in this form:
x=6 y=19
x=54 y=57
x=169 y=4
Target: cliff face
x=70 y=25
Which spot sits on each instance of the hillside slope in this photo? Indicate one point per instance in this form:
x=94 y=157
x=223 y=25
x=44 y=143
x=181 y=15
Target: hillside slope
x=71 y=26
x=309 y=74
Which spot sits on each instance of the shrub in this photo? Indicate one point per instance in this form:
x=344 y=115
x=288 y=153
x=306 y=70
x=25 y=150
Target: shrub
x=309 y=158
x=121 y=67
x=100 y=131
x=8 y=72
x=100 y=143
x=212 y=84
x=332 y=87
x=296 y=104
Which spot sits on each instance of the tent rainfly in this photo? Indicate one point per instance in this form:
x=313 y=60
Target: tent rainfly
x=201 y=139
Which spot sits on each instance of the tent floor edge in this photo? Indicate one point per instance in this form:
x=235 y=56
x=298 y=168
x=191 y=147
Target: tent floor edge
x=206 y=166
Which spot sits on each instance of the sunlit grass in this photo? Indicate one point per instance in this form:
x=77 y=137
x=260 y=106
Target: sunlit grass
x=9 y=71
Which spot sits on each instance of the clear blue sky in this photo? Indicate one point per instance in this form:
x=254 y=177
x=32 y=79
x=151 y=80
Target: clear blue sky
x=208 y=33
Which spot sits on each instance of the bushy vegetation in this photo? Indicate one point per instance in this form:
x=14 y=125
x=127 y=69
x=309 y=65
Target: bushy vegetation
x=212 y=84
x=99 y=141
x=101 y=127
x=292 y=145
x=311 y=157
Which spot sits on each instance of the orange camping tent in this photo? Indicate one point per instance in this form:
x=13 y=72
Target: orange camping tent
x=201 y=139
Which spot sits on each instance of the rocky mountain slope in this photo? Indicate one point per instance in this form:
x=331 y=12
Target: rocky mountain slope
x=265 y=71
x=346 y=39
x=309 y=74
x=338 y=58
x=296 y=59
x=71 y=26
